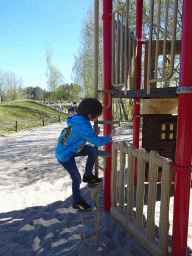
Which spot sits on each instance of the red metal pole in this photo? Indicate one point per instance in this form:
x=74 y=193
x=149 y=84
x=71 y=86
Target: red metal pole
x=184 y=139
x=136 y=113
x=107 y=113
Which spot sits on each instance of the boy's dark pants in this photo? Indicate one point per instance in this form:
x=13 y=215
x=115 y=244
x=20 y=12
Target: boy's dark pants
x=71 y=167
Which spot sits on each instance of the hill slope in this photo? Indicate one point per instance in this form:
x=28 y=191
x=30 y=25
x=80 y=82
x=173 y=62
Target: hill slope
x=28 y=114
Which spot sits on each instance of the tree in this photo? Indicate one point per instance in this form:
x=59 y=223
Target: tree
x=1 y=84
x=38 y=93
x=29 y=92
x=11 y=95
x=54 y=75
x=47 y=96
x=64 y=92
x=34 y=93
x=83 y=67
x=76 y=92
x=10 y=85
x=69 y=92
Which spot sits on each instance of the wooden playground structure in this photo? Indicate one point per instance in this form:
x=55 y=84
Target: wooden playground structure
x=123 y=204
x=122 y=54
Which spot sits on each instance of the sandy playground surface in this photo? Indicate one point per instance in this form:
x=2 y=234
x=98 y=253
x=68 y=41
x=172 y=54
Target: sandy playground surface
x=36 y=214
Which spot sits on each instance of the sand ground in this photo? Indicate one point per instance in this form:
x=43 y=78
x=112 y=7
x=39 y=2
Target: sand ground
x=36 y=214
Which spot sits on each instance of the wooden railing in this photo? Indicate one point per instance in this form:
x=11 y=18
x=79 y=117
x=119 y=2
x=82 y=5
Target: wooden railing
x=124 y=50
x=165 y=14
x=124 y=212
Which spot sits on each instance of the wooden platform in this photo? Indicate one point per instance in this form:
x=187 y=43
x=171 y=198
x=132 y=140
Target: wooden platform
x=156 y=93
x=107 y=122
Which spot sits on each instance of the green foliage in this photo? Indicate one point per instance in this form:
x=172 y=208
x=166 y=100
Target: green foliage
x=47 y=96
x=123 y=109
x=28 y=113
x=76 y=92
x=11 y=95
x=10 y=86
x=53 y=74
x=55 y=78
x=34 y=93
x=64 y=92
x=0 y=92
x=83 y=67
x=70 y=92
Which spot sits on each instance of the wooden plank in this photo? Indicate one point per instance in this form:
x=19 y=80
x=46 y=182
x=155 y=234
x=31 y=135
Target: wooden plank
x=114 y=174
x=122 y=179
x=140 y=188
x=164 y=210
x=130 y=182
x=107 y=122
x=152 y=193
x=140 y=235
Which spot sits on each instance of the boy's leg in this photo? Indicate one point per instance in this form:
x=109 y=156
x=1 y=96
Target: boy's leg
x=91 y=152
x=71 y=168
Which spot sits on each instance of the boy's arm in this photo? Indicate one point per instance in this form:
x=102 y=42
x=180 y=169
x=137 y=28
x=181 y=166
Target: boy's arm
x=89 y=135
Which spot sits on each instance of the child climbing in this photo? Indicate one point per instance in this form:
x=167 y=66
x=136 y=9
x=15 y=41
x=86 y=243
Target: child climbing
x=72 y=142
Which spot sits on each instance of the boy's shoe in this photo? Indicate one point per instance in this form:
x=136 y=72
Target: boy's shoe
x=92 y=179
x=82 y=205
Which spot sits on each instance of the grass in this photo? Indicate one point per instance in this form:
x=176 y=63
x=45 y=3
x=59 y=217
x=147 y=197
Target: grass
x=28 y=114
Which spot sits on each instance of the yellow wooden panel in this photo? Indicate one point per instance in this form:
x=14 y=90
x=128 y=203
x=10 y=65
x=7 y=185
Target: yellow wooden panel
x=163 y=127
x=162 y=136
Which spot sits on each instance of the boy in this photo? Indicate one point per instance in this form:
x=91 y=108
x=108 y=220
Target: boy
x=71 y=144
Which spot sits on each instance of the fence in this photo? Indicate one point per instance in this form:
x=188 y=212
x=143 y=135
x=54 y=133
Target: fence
x=25 y=124
x=133 y=220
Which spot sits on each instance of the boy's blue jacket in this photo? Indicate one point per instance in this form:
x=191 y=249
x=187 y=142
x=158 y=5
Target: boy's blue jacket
x=73 y=138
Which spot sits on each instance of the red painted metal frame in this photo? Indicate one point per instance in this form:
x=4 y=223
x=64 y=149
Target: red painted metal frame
x=184 y=130
x=107 y=113
x=136 y=113
x=184 y=140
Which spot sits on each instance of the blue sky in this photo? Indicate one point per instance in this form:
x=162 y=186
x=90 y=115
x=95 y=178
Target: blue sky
x=28 y=26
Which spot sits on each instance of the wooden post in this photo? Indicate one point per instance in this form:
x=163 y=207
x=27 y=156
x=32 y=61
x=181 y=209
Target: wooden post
x=164 y=210
x=136 y=114
x=130 y=183
x=152 y=192
x=16 y=126
x=122 y=179
x=43 y=122
x=114 y=174
x=140 y=188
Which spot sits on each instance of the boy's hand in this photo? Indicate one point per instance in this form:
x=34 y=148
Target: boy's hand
x=113 y=132
x=97 y=131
